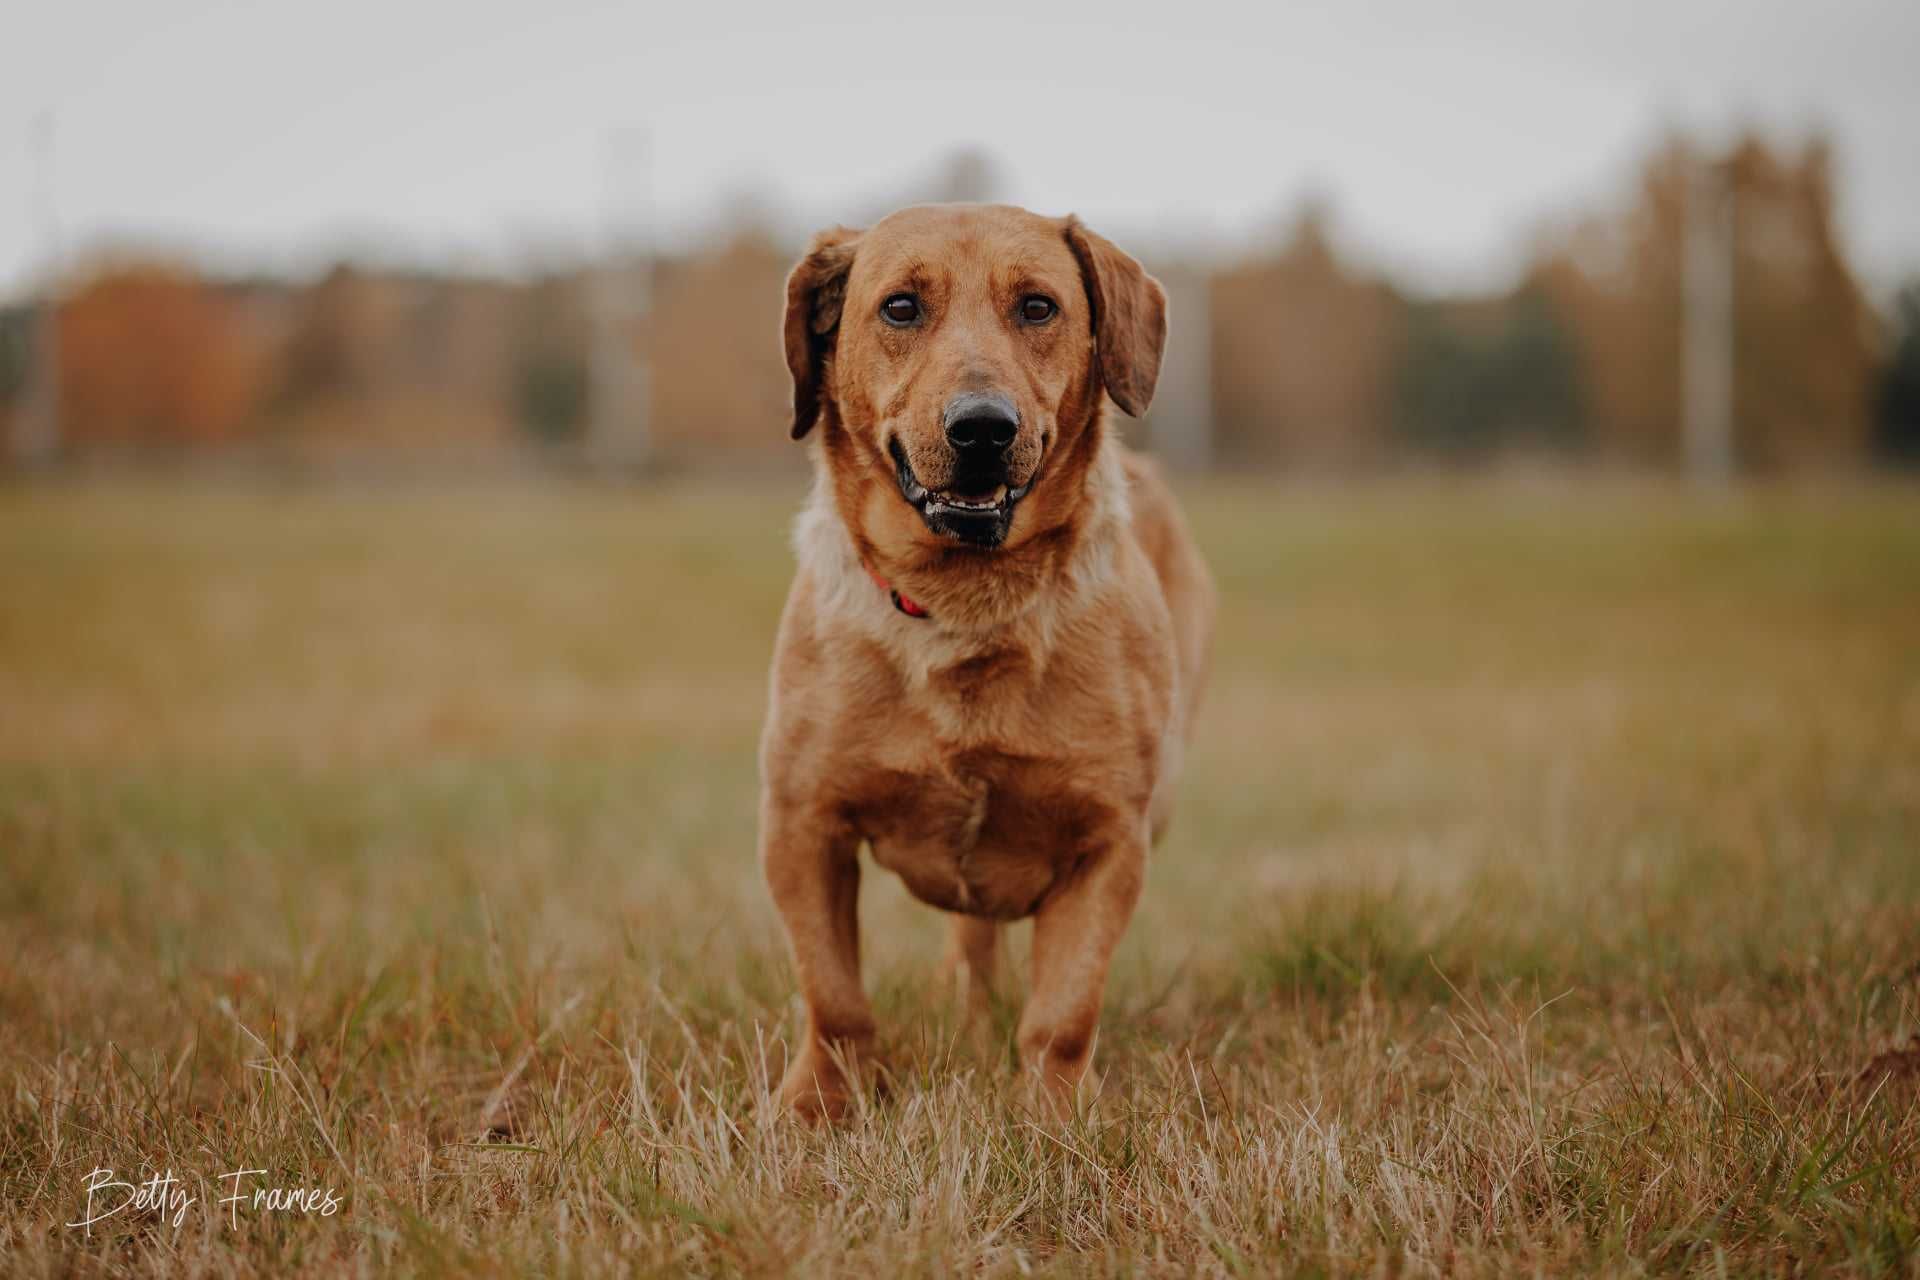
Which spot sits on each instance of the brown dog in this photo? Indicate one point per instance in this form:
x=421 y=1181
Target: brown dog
x=997 y=635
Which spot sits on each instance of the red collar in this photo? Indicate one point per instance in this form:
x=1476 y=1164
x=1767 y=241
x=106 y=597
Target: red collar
x=900 y=602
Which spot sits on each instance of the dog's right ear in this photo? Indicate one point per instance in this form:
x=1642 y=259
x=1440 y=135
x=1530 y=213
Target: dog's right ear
x=815 y=291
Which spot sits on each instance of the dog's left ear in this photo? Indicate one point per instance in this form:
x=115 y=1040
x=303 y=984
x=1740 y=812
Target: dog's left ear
x=1129 y=317
x=815 y=291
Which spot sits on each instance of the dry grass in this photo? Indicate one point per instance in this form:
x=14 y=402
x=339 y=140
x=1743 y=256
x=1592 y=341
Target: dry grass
x=1545 y=897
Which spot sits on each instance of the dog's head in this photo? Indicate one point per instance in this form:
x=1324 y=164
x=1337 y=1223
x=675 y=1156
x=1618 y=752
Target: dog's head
x=954 y=352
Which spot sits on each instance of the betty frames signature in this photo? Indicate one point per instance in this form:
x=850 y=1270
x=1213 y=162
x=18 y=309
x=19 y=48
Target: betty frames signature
x=166 y=1196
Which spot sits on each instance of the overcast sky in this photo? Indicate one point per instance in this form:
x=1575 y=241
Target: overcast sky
x=268 y=135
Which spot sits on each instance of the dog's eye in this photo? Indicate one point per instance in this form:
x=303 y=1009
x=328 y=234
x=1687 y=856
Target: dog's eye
x=1036 y=309
x=901 y=309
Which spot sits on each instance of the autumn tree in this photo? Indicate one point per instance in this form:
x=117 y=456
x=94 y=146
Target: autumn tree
x=719 y=381
x=1303 y=355
x=152 y=355
x=1803 y=334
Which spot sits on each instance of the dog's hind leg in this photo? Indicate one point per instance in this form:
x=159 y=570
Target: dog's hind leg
x=1160 y=806
x=972 y=961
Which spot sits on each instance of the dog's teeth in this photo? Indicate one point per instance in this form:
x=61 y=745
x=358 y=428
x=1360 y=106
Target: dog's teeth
x=973 y=504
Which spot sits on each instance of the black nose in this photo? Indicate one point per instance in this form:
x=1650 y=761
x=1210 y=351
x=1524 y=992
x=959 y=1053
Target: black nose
x=981 y=422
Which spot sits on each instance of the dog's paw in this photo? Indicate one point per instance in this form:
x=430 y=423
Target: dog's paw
x=822 y=1084
x=1058 y=1070
x=814 y=1101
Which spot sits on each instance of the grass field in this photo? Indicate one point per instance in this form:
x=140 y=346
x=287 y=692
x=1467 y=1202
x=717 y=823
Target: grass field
x=1545 y=896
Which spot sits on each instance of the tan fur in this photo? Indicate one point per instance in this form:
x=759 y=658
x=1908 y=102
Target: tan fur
x=1012 y=754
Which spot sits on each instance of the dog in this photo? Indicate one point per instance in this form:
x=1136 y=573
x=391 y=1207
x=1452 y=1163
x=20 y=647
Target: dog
x=990 y=658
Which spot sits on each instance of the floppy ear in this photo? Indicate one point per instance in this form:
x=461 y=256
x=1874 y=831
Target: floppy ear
x=814 y=293
x=1129 y=318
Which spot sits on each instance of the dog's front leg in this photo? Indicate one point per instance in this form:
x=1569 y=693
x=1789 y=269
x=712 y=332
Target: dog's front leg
x=812 y=868
x=1074 y=934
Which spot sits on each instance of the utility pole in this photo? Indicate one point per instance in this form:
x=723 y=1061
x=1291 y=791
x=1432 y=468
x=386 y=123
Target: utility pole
x=1707 y=364
x=36 y=438
x=620 y=391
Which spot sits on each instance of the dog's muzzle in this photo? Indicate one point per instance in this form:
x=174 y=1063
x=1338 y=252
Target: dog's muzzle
x=975 y=507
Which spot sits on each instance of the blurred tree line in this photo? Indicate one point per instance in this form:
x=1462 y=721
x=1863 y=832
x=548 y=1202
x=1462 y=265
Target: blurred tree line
x=1311 y=361
x=1897 y=439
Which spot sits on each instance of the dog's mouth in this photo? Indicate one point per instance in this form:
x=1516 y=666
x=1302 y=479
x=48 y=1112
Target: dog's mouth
x=981 y=516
